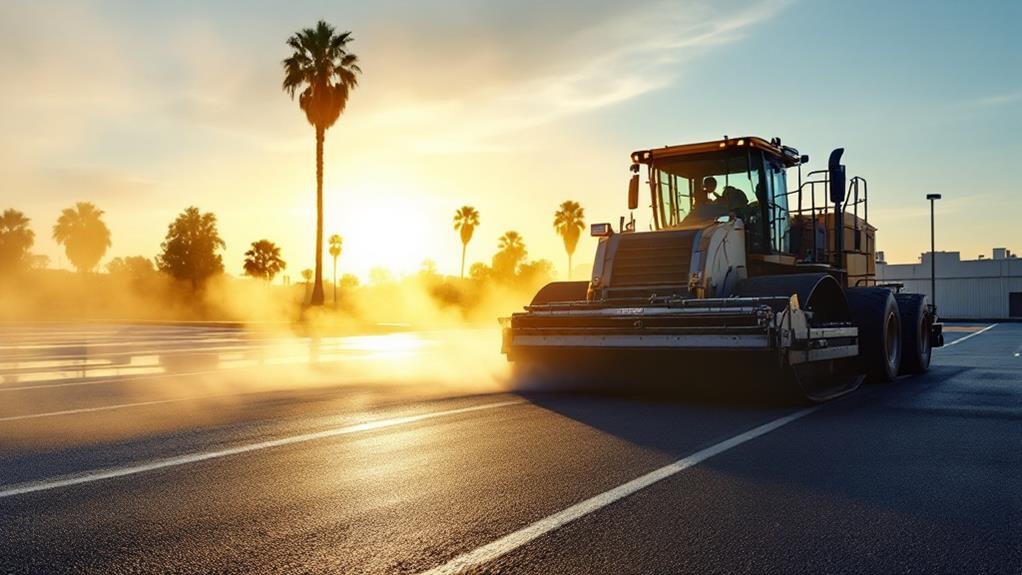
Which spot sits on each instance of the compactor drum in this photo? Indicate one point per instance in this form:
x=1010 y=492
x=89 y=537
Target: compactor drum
x=737 y=274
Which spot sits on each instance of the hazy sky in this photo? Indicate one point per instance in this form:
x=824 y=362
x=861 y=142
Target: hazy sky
x=146 y=108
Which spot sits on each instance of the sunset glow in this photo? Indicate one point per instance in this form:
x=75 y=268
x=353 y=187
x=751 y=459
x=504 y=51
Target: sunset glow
x=518 y=123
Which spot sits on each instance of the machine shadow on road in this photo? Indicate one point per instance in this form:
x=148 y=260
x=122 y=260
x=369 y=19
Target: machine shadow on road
x=639 y=409
x=746 y=387
x=868 y=427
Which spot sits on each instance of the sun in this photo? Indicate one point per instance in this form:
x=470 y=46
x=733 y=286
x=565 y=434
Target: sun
x=384 y=224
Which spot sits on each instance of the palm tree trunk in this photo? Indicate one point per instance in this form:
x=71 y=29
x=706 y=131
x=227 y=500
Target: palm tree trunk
x=569 y=266
x=464 y=246
x=335 y=282
x=317 y=287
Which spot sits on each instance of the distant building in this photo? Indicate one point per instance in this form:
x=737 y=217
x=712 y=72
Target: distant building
x=983 y=288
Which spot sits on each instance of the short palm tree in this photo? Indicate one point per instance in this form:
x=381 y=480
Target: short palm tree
x=263 y=260
x=569 y=222
x=336 y=243
x=465 y=220
x=511 y=240
x=511 y=252
x=323 y=73
x=307 y=277
x=83 y=234
x=16 y=238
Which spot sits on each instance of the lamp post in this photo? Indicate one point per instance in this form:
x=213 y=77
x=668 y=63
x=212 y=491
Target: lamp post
x=933 y=254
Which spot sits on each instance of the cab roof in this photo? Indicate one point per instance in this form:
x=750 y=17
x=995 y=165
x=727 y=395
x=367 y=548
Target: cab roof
x=788 y=155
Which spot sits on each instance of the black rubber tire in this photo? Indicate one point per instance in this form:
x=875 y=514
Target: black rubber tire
x=916 y=347
x=875 y=312
x=561 y=291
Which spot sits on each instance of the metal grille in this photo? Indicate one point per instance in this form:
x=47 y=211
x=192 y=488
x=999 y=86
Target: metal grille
x=652 y=259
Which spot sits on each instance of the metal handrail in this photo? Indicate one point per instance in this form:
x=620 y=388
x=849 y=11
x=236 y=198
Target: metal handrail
x=853 y=199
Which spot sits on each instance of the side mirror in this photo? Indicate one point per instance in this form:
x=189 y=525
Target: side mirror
x=837 y=176
x=804 y=159
x=633 y=192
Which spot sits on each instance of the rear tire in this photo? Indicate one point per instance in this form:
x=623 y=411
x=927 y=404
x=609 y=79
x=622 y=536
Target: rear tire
x=915 y=325
x=875 y=312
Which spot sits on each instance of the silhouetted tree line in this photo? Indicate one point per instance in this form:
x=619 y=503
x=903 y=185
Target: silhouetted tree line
x=320 y=73
x=191 y=254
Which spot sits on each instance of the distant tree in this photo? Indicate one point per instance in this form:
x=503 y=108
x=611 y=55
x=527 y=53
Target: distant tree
x=336 y=244
x=16 y=238
x=190 y=248
x=323 y=73
x=536 y=272
x=135 y=267
x=569 y=221
x=380 y=275
x=428 y=268
x=38 y=261
x=83 y=234
x=263 y=261
x=480 y=272
x=349 y=281
x=465 y=220
x=511 y=252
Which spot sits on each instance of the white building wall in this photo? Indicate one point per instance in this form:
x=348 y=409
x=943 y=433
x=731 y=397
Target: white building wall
x=972 y=289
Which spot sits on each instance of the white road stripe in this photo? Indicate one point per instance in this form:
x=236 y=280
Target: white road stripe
x=103 y=474
x=104 y=408
x=233 y=369
x=973 y=334
x=510 y=542
x=127 y=378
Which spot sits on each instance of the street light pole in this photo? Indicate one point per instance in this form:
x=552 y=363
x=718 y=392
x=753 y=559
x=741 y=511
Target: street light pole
x=933 y=254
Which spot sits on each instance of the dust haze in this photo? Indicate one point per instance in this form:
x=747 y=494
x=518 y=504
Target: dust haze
x=419 y=337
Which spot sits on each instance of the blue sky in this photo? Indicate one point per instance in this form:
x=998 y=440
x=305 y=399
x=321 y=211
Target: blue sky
x=146 y=108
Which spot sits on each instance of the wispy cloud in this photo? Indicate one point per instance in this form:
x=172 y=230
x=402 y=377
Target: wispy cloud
x=116 y=103
x=996 y=100
x=608 y=63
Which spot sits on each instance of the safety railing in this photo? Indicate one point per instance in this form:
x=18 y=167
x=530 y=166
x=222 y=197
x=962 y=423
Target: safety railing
x=820 y=208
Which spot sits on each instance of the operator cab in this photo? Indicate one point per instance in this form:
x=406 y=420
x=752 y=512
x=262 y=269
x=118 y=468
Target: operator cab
x=695 y=184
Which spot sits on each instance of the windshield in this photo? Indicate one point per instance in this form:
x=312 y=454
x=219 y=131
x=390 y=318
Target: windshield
x=698 y=188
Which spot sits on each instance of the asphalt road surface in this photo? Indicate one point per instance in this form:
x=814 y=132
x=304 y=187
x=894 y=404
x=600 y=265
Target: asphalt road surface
x=137 y=449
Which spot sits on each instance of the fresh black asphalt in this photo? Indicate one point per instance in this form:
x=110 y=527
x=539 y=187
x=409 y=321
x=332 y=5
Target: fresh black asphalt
x=919 y=476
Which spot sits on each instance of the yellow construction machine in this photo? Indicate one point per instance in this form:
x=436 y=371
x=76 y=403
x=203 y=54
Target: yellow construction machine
x=737 y=269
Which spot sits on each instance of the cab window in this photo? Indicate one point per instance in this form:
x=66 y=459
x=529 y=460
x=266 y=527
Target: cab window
x=699 y=188
x=777 y=213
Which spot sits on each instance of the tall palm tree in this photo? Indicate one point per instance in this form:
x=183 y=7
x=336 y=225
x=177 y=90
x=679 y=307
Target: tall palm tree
x=465 y=220
x=263 y=260
x=83 y=234
x=323 y=73
x=569 y=222
x=336 y=242
x=15 y=240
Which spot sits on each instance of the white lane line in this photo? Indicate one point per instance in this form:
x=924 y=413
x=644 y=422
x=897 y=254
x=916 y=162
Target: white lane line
x=115 y=406
x=512 y=541
x=251 y=365
x=973 y=334
x=103 y=474
x=127 y=378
